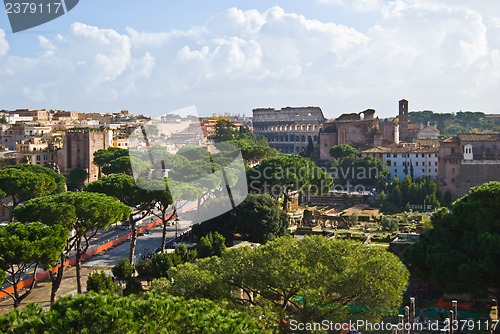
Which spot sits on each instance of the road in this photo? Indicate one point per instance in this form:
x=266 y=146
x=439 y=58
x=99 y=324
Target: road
x=146 y=243
x=115 y=231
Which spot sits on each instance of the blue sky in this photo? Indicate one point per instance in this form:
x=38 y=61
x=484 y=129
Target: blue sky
x=157 y=56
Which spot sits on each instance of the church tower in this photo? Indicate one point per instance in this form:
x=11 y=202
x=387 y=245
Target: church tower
x=403 y=120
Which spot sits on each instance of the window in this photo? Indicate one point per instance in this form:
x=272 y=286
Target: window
x=38 y=157
x=452 y=151
x=429 y=155
x=388 y=162
x=429 y=170
x=423 y=170
x=435 y=163
x=395 y=171
x=416 y=163
x=394 y=155
x=453 y=170
x=435 y=170
x=453 y=180
x=388 y=155
x=436 y=155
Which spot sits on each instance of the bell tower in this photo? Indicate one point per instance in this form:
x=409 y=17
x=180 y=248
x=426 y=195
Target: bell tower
x=403 y=120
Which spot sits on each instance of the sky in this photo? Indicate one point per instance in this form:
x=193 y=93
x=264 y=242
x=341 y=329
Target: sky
x=155 y=56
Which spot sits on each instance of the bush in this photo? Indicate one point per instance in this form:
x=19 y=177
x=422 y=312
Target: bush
x=101 y=283
x=389 y=224
x=123 y=270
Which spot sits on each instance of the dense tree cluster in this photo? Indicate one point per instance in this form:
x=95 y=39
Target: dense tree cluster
x=146 y=313
x=283 y=174
x=309 y=279
x=350 y=169
x=24 y=248
x=158 y=265
x=452 y=124
x=23 y=182
x=83 y=213
x=400 y=195
x=258 y=219
x=460 y=253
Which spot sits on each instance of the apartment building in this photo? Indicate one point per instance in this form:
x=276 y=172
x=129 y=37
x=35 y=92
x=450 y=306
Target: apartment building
x=420 y=159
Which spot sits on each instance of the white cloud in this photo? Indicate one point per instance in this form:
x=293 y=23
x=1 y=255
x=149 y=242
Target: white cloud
x=4 y=45
x=440 y=56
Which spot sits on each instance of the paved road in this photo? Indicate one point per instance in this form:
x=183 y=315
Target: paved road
x=103 y=236
x=146 y=243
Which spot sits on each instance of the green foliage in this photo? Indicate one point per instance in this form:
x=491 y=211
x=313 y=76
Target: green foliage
x=402 y=194
x=114 y=160
x=77 y=175
x=310 y=147
x=123 y=188
x=23 y=182
x=253 y=151
x=224 y=130
x=259 y=219
x=123 y=270
x=309 y=279
x=355 y=170
x=462 y=245
x=159 y=264
x=104 y=157
x=26 y=247
x=284 y=173
x=343 y=150
x=213 y=244
x=389 y=224
x=39 y=169
x=447 y=198
x=452 y=124
x=101 y=283
x=84 y=213
x=149 y=313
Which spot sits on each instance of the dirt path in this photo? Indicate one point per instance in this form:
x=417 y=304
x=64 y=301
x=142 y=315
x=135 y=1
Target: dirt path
x=41 y=292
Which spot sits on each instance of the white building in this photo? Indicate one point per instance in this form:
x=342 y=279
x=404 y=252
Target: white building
x=422 y=157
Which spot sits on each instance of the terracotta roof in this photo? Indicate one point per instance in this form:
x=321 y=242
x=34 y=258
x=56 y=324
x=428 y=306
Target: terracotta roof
x=403 y=149
x=428 y=142
x=451 y=140
x=479 y=137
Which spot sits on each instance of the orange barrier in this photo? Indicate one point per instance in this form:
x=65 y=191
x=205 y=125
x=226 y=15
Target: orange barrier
x=461 y=305
x=99 y=249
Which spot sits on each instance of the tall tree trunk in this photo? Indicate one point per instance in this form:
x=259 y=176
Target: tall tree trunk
x=14 y=285
x=165 y=222
x=11 y=212
x=78 y=265
x=56 y=282
x=133 y=240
